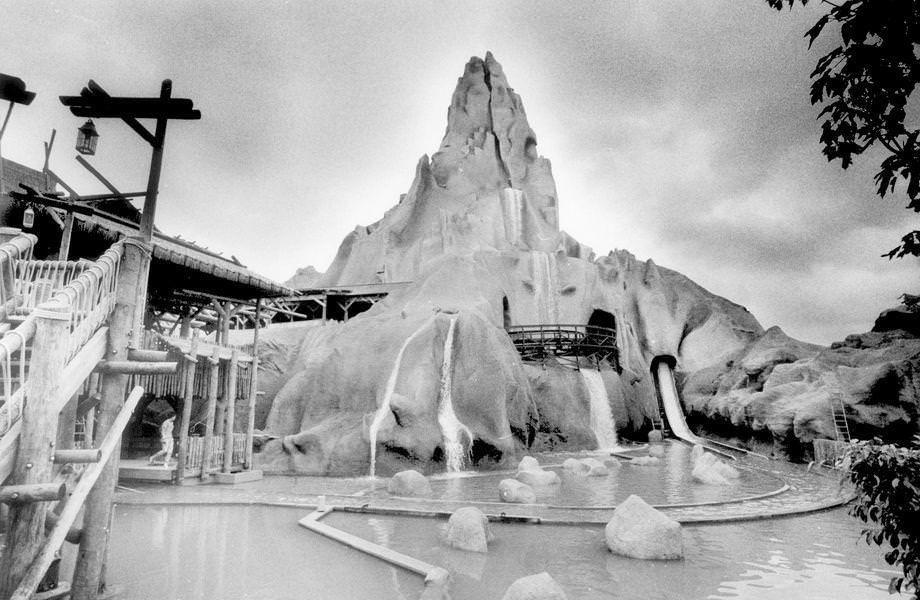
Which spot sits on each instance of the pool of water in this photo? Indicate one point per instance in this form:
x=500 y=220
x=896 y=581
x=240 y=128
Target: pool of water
x=668 y=482
x=249 y=552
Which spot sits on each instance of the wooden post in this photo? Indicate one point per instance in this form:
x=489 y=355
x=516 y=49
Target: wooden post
x=231 y=410
x=213 y=387
x=191 y=362
x=36 y=441
x=130 y=299
x=185 y=330
x=253 y=387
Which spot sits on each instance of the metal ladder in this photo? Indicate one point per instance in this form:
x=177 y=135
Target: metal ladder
x=841 y=427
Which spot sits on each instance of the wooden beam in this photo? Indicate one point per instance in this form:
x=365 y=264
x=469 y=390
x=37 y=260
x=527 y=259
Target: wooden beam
x=231 y=411
x=72 y=456
x=132 y=367
x=143 y=355
x=32 y=492
x=88 y=573
x=213 y=388
x=39 y=426
x=67 y=517
x=187 y=400
x=253 y=387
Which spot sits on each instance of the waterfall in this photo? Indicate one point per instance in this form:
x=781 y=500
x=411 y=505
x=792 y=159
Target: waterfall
x=544 y=279
x=601 y=418
x=512 y=213
x=451 y=427
x=384 y=408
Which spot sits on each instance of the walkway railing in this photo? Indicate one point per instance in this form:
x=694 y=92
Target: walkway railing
x=37 y=280
x=575 y=345
x=91 y=298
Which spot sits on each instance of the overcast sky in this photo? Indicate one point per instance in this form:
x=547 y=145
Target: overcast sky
x=680 y=131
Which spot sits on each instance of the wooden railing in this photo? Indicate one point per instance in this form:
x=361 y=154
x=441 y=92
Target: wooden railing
x=579 y=346
x=196 y=452
x=88 y=299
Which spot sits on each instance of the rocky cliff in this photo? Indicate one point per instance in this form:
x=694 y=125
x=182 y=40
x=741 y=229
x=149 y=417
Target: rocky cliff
x=432 y=366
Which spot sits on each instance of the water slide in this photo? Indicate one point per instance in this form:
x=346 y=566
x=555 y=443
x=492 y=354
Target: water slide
x=667 y=389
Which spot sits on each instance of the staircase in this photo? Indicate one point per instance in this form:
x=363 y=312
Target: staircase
x=53 y=334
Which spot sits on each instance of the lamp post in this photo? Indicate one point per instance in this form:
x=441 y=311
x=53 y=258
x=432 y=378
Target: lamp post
x=127 y=317
x=13 y=90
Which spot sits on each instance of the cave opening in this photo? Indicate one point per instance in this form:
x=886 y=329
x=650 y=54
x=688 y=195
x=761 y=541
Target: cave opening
x=506 y=313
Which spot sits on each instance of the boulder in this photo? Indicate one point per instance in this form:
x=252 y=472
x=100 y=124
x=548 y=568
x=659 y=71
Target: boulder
x=575 y=466
x=655 y=435
x=437 y=583
x=529 y=463
x=468 y=529
x=409 y=483
x=708 y=474
x=645 y=461
x=709 y=469
x=513 y=491
x=612 y=463
x=595 y=467
x=656 y=450
x=535 y=587
x=637 y=530
x=538 y=478
x=697 y=452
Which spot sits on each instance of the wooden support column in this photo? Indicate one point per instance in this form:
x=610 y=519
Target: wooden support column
x=213 y=388
x=253 y=387
x=26 y=530
x=231 y=410
x=191 y=363
x=130 y=300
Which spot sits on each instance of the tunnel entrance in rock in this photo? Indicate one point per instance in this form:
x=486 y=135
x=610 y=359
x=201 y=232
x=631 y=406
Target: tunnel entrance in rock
x=602 y=318
x=506 y=313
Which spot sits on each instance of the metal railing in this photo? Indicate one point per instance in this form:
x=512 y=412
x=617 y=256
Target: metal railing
x=575 y=345
x=90 y=295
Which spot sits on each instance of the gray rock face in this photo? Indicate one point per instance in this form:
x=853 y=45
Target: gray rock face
x=535 y=587
x=304 y=278
x=784 y=388
x=477 y=238
x=409 y=483
x=468 y=529
x=515 y=492
x=637 y=530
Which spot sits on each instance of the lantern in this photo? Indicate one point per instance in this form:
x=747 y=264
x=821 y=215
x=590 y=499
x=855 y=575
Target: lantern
x=28 y=218
x=87 y=138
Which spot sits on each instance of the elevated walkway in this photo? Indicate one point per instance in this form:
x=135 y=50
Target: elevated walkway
x=575 y=346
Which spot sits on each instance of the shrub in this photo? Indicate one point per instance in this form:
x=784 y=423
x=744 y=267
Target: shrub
x=887 y=480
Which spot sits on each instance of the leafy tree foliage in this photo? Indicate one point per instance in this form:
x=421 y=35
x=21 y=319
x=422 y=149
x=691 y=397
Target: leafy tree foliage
x=865 y=84
x=887 y=480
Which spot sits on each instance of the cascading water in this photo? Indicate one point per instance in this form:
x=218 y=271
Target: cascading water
x=544 y=279
x=451 y=427
x=384 y=408
x=601 y=418
x=512 y=213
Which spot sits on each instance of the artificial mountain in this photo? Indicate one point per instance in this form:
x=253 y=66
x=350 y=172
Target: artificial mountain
x=477 y=238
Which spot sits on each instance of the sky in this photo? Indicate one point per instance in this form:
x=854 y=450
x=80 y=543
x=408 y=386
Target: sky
x=680 y=131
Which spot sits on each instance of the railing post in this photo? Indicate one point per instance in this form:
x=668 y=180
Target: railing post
x=213 y=387
x=130 y=296
x=231 y=411
x=188 y=399
x=26 y=530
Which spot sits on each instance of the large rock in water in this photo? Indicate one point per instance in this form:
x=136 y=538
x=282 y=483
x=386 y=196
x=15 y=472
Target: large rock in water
x=409 y=483
x=515 y=492
x=474 y=246
x=468 y=529
x=535 y=587
x=637 y=530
